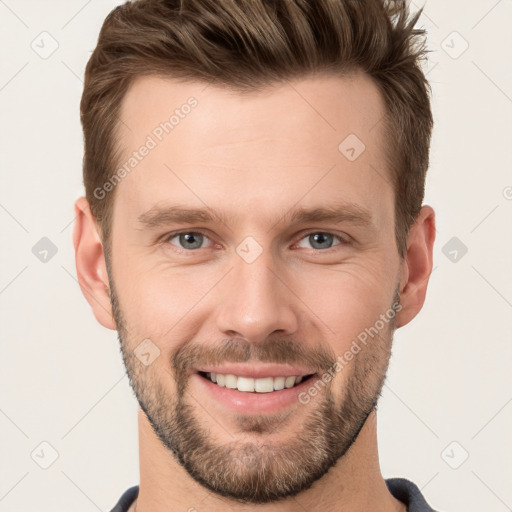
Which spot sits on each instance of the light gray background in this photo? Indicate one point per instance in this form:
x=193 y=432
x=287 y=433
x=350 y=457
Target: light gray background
x=62 y=380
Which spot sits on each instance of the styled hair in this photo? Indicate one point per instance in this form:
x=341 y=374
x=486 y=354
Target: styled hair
x=247 y=45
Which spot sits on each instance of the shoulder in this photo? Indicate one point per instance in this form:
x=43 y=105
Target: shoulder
x=126 y=499
x=408 y=493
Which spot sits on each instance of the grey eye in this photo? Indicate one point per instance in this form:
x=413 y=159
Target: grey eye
x=189 y=240
x=320 y=240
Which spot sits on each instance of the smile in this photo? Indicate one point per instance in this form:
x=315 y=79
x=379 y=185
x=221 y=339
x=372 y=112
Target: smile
x=251 y=385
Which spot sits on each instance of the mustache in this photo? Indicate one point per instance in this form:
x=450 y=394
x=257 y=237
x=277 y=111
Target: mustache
x=236 y=350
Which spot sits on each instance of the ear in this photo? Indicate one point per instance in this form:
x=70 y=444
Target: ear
x=90 y=264
x=417 y=266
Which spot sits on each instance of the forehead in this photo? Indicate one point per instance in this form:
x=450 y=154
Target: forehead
x=309 y=140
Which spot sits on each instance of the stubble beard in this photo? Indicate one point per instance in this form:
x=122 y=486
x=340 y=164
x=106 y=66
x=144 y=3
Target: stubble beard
x=256 y=468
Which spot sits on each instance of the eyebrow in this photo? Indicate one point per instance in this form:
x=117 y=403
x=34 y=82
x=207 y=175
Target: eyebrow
x=351 y=213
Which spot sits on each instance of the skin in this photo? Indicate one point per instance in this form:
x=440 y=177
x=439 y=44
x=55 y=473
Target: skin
x=255 y=157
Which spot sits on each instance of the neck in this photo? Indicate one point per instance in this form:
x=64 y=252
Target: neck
x=354 y=484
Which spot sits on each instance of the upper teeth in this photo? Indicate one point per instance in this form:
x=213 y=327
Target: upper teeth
x=264 y=385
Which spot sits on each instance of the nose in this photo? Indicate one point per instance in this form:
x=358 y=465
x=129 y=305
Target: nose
x=256 y=301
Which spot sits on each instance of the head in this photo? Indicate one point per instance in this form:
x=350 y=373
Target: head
x=254 y=176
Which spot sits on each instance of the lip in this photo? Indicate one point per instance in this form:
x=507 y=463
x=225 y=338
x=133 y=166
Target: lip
x=255 y=403
x=258 y=371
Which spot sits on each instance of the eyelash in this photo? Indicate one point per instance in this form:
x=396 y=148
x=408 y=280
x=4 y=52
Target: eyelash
x=342 y=240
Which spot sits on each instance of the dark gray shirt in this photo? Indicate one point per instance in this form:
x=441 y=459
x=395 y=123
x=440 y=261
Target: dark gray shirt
x=402 y=489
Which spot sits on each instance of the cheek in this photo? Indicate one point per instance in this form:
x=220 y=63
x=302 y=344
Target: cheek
x=347 y=299
x=338 y=301
x=157 y=301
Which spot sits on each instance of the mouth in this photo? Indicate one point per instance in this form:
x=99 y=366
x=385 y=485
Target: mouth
x=262 y=393
x=254 y=385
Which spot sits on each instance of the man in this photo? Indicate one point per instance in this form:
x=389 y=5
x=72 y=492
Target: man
x=253 y=228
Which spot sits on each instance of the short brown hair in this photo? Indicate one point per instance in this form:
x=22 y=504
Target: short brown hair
x=246 y=45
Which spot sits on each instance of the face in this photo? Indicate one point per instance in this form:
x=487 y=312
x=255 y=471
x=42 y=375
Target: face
x=248 y=237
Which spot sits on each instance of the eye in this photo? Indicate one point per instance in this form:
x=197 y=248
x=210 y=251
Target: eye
x=192 y=240
x=189 y=240
x=321 y=240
